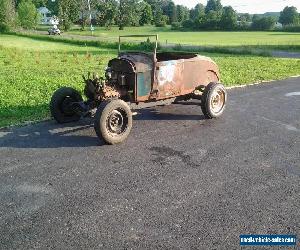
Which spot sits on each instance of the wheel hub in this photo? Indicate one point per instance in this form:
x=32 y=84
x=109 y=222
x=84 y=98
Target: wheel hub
x=218 y=100
x=66 y=105
x=115 y=122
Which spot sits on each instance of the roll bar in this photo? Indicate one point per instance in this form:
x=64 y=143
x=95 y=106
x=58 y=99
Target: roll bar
x=156 y=41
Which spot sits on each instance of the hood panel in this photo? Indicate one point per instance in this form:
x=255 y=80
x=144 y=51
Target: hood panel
x=142 y=62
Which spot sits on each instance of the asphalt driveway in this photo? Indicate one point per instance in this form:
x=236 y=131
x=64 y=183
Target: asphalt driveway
x=178 y=182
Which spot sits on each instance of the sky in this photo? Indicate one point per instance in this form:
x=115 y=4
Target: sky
x=248 y=6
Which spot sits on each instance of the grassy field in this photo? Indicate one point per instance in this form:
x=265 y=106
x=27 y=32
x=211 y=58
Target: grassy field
x=30 y=70
x=264 y=39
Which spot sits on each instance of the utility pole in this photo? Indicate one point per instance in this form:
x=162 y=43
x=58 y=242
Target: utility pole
x=120 y=16
x=92 y=28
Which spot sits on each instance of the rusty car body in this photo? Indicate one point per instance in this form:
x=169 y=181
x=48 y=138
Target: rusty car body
x=139 y=79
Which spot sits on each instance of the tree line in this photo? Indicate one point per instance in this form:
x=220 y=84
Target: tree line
x=124 y=13
x=214 y=16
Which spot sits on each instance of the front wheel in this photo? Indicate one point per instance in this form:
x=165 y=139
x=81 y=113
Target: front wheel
x=61 y=105
x=113 y=121
x=213 y=101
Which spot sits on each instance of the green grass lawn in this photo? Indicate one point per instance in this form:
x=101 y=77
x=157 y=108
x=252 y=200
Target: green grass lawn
x=29 y=44
x=31 y=70
x=263 y=39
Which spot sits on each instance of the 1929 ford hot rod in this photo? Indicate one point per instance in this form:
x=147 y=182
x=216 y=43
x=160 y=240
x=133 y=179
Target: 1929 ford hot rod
x=136 y=80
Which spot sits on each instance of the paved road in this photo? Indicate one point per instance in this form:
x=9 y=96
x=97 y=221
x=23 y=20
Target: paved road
x=285 y=54
x=178 y=182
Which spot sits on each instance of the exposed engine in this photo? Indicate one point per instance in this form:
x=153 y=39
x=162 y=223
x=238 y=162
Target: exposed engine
x=116 y=84
x=99 y=89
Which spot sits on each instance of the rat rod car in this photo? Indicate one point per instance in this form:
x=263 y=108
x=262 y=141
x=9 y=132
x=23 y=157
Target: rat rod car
x=136 y=80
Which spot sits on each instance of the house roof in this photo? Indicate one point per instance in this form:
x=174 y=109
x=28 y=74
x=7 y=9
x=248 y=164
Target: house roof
x=43 y=10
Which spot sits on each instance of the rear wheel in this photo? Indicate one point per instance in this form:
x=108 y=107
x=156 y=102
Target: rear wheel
x=60 y=105
x=213 y=101
x=113 y=121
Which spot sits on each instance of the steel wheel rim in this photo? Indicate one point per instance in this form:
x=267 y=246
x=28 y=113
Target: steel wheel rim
x=66 y=105
x=217 y=101
x=117 y=122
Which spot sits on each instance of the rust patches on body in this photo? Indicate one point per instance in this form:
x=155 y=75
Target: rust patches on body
x=183 y=76
x=165 y=76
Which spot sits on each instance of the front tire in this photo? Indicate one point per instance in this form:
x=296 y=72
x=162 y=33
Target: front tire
x=213 y=101
x=113 y=121
x=60 y=105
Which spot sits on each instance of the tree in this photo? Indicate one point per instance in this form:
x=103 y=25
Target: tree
x=53 y=6
x=27 y=14
x=213 y=5
x=129 y=13
x=255 y=18
x=68 y=12
x=107 y=12
x=244 y=21
x=199 y=23
x=7 y=15
x=183 y=13
x=212 y=20
x=160 y=20
x=246 y=17
x=171 y=11
x=188 y=24
x=228 y=19
x=39 y=3
x=289 y=16
x=263 y=23
x=197 y=11
x=84 y=13
x=147 y=16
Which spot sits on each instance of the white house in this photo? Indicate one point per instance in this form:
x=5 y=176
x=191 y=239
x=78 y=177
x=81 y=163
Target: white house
x=244 y=23
x=278 y=25
x=46 y=17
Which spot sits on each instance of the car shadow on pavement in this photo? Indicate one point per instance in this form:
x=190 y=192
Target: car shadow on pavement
x=49 y=134
x=156 y=115
x=162 y=114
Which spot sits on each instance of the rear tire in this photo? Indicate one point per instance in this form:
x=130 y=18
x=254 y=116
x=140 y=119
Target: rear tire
x=59 y=105
x=213 y=101
x=113 y=121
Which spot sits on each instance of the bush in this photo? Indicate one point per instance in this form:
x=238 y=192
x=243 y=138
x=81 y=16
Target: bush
x=4 y=28
x=243 y=26
x=176 y=26
x=7 y=15
x=161 y=21
x=188 y=24
x=66 y=24
x=263 y=23
x=147 y=46
x=28 y=15
x=178 y=47
x=291 y=28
